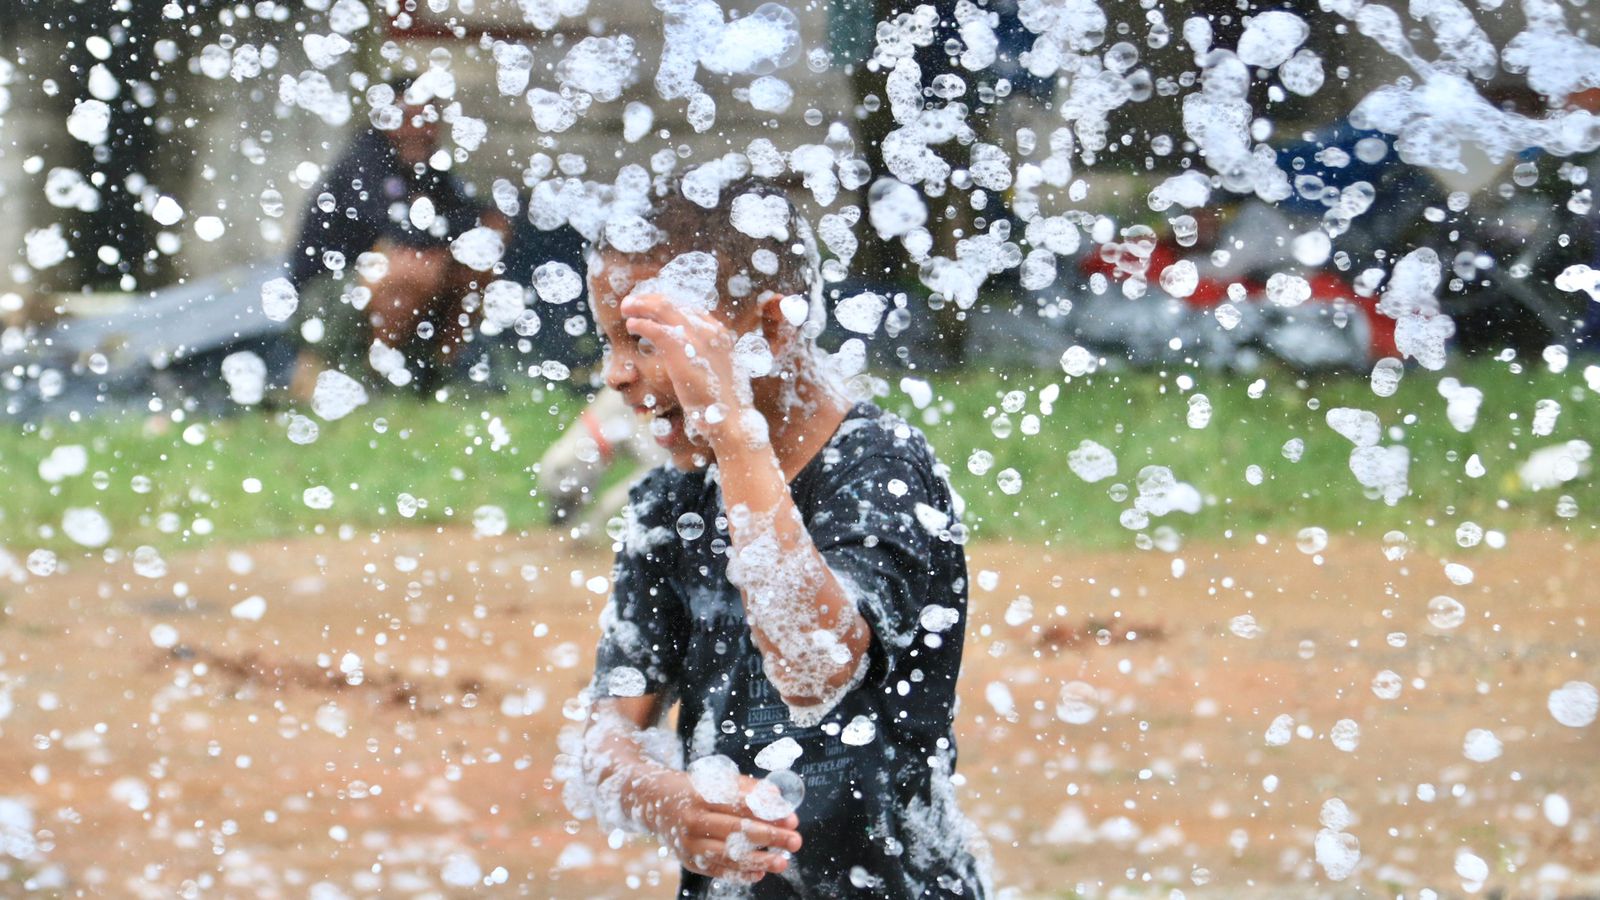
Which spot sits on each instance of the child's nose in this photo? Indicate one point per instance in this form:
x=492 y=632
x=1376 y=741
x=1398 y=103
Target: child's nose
x=619 y=371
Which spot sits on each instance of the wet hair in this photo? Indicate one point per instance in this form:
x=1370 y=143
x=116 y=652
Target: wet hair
x=747 y=267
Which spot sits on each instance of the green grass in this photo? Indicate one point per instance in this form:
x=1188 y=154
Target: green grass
x=196 y=470
x=1142 y=417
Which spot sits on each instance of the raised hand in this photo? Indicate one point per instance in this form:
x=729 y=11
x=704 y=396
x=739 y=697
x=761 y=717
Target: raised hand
x=697 y=352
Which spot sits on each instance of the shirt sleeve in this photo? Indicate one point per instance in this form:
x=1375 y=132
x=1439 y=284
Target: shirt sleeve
x=878 y=531
x=642 y=628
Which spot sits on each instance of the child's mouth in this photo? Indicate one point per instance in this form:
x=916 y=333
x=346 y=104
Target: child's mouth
x=666 y=426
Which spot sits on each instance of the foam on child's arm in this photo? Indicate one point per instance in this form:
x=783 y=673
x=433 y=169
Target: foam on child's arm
x=781 y=588
x=600 y=761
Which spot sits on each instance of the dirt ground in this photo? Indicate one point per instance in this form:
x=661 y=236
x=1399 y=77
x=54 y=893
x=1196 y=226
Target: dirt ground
x=388 y=724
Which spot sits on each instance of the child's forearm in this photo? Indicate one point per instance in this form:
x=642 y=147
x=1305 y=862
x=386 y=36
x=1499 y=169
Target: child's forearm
x=812 y=640
x=616 y=772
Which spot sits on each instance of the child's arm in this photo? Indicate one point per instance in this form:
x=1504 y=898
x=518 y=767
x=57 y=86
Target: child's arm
x=632 y=789
x=812 y=641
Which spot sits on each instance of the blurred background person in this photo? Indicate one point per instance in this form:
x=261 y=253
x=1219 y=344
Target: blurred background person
x=373 y=262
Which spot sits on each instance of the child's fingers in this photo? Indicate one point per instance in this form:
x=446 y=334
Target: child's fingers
x=672 y=338
x=652 y=306
x=781 y=835
x=658 y=309
x=651 y=330
x=721 y=825
x=715 y=859
x=763 y=862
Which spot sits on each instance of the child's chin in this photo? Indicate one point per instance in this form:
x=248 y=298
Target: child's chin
x=688 y=457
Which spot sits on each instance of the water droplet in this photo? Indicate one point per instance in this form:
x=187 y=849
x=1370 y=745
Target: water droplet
x=691 y=525
x=1574 y=704
x=1446 y=612
x=1009 y=480
x=1312 y=540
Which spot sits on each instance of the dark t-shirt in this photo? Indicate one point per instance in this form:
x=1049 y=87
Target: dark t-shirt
x=371 y=179
x=878 y=818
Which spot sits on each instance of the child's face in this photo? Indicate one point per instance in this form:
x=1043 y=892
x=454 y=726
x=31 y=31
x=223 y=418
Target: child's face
x=631 y=366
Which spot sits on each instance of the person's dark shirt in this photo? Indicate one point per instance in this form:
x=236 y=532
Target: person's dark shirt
x=373 y=190
x=878 y=817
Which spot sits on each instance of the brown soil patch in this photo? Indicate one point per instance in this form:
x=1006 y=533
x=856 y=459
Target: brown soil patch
x=392 y=719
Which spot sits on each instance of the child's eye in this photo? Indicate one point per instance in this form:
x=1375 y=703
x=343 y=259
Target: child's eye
x=646 y=348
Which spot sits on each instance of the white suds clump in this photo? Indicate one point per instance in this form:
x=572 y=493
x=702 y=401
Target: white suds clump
x=752 y=356
x=761 y=216
x=336 y=395
x=1386 y=375
x=630 y=233
x=480 y=248
x=1302 y=73
x=279 y=299
x=90 y=121
x=771 y=94
x=688 y=281
x=1188 y=190
x=513 y=65
x=553 y=113
x=1092 y=462
x=556 y=282
x=1217 y=119
x=1180 y=279
x=716 y=779
x=1481 y=745
x=701 y=113
x=776 y=796
x=246 y=376
x=1358 y=426
x=45 y=247
x=600 y=66
x=167 y=212
x=1270 y=37
x=1574 y=704
x=626 y=681
x=858 y=732
x=758 y=44
x=1462 y=404
x=780 y=754
x=636 y=121
x=895 y=208
x=504 y=302
x=861 y=313
x=86 y=526
x=1384 y=469
x=1337 y=852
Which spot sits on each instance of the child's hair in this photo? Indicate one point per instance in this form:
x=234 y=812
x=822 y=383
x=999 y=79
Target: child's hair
x=747 y=267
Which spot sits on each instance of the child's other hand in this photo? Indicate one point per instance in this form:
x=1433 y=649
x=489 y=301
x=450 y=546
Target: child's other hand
x=720 y=840
x=697 y=353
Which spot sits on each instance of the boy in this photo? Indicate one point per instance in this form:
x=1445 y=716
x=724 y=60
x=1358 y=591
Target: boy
x=794 y=580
